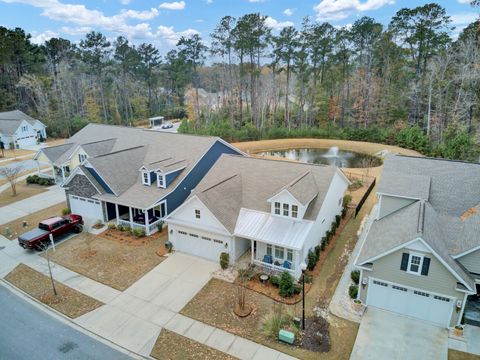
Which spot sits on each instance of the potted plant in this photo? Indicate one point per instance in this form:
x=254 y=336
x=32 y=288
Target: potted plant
x=357 y=305
x=458 y=330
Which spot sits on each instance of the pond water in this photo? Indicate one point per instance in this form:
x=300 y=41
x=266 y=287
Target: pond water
x=332 y=156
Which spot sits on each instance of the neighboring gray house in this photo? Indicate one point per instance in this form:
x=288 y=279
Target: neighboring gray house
x=421 y=255
x=131 y=175
x=278 y=209
x=20 y=130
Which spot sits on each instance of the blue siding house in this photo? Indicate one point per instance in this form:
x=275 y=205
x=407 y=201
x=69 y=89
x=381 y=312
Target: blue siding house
x=141 y=179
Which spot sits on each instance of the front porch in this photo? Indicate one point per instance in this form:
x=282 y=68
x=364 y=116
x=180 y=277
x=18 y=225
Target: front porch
x=135 y=218
x=276 y=259
x=58 y=173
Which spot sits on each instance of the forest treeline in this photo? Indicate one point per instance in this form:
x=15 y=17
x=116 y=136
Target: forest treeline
x=406 y=83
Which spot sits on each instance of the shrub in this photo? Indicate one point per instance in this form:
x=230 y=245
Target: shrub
x=337 y=220
x=328 y=236
x=323 y=244
x=112 y=226
x=66 y=211
x=317 y=250
x=333 y=228
x=275 y=280
x=347 y=199
x=297 y=289
x=355 y=276
x=139 y=233
x=312 y=259
x=224 y=260
x=344 y=213
x=35 y=179
x=287 y=285
x=276 y=321
x=353 y=291
x=308 y=278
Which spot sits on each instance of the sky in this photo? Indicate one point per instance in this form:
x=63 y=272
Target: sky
x=163 y=23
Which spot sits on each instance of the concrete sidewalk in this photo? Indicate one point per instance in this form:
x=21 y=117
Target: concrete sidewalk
x=341 y=303
x=53 y=196
x=134 y=318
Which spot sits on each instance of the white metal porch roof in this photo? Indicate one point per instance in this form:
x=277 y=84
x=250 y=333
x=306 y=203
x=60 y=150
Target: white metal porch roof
x=264 y=227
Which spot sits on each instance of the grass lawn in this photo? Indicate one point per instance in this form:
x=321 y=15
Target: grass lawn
x=172 y=346
x=68 y=301
x=24 y=191
x=459 y=355
x=16 y=226
x=12 y=154
x=110 y=261
x=358 y=146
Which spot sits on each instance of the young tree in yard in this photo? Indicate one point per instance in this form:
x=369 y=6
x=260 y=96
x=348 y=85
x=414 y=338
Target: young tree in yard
x=10 y=173
x=46 y=250
x=193 y=51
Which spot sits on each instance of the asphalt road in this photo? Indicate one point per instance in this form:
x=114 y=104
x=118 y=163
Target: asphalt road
x=29 y=333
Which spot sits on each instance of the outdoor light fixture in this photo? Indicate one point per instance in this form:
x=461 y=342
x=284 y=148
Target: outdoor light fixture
x=364 y=282
x=303 y=267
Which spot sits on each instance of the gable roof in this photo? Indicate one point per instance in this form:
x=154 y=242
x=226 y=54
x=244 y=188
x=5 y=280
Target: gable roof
x=303 y=188
x=118 y=153
x=11 y=120
x=246 y=182
x=447 y=218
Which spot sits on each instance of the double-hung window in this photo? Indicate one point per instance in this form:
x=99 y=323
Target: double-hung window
x=81 y=157
x=146 y=178
x=269 y=249
x=161 y=180
x=197 y=214
x=294 y=211
x=415 y=263
x=290 y=255
x=286 y=209
x=277 y=208
x=279 y=252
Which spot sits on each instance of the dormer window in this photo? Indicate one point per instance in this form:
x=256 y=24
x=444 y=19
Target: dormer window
x=161 y=180
x=294 y=211
x=82 y=157
x=197 y=214
x=146 y=178
x=286 y=209
x=277 y=208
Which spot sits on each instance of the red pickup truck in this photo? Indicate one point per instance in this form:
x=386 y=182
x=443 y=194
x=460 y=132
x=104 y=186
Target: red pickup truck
x=57 y=226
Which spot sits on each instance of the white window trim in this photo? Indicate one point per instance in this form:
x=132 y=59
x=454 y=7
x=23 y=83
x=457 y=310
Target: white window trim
x=420 y=266
x=161 y=176
x=199 y=214
x=279 y=208
x=275 y=252
x=148 y=182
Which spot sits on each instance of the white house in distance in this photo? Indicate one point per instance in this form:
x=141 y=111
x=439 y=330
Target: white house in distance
x=19 y=130
x=278 y=209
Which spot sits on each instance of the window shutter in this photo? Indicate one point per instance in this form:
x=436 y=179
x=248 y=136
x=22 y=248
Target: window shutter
x=425 y=266
x=404 y=264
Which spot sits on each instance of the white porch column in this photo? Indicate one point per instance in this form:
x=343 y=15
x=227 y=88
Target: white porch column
x=38 y=167
x=130 y=216
x=63 y=173
x=53 y=173
x=117 y=213
x=147 y=232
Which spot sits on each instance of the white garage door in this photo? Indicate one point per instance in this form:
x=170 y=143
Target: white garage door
x=26 y=141
x=419 y=304
x=88 y=208
x=204 y=245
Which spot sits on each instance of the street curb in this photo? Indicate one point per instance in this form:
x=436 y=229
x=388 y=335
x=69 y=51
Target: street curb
x=66 y=320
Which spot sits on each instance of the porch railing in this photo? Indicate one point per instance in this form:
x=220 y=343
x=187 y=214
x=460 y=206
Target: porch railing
x=272 y=267
x=152 y=228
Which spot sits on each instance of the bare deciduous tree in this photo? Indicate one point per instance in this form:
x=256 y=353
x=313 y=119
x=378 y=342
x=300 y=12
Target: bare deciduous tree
x=10 y=173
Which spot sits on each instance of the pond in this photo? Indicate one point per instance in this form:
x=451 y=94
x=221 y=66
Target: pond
x=332 y=156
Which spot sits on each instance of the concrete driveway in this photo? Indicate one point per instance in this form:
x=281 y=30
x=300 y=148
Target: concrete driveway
x=385 y=335
x=53 y=196
x=136 y=316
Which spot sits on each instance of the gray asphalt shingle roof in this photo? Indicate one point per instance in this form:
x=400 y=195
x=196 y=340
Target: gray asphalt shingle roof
x=11 y=120
x=117 y=154
x=236 y=182
x=450 y=191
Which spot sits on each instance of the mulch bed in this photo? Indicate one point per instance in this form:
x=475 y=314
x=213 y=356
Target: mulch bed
x=68 y=301
x=317 y=335
x=273 y=292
